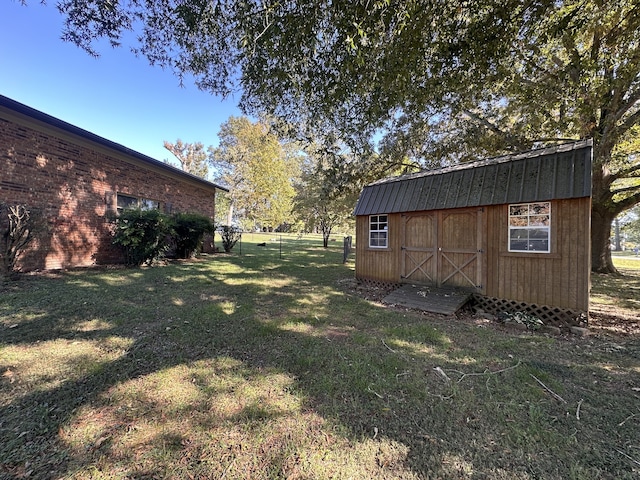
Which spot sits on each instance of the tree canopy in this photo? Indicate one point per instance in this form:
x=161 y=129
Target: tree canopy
x=192 y=157
x=258 y=169
x=439 y=80
x=324 y=202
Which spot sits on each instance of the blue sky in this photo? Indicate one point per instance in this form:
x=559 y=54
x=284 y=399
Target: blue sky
x=117 y=96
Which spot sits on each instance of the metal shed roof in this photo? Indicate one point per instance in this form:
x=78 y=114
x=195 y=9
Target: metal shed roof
x=559 y=172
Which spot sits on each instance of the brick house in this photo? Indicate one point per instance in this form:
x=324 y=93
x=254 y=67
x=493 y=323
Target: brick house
x=76 y=177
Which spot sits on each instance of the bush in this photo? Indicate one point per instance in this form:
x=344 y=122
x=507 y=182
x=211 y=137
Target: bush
x=188 y=232
x=230 y=236
x=19 y=226
x=142 y=234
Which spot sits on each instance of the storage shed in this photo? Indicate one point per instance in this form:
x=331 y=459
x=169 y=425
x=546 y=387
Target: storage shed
x=514 y=230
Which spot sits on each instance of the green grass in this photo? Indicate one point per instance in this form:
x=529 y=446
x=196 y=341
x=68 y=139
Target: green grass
x=270 y=365
x=620 y=293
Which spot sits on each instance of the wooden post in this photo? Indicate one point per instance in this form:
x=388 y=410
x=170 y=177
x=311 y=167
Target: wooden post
x=347 y=249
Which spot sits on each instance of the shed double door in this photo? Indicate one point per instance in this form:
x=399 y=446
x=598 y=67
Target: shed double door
x=443 y=248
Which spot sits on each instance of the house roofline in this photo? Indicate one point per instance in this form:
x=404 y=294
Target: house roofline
x=12 y=110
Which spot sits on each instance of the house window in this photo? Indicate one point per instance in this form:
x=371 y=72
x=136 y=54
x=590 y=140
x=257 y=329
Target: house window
x=530 y=227
x=129 y=202
x=378 y=231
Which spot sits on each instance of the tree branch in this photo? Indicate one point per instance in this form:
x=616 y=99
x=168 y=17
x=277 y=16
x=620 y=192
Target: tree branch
x=627 y=172
x=620 y=191
x=629 y=122
x=511 y=140
x=627 y=203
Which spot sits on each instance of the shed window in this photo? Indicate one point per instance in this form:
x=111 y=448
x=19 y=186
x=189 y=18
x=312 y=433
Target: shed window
x=129 y=202
x=530 y=227
x=378 y=231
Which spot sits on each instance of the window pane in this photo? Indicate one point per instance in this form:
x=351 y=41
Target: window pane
x=540 y=208
x=519 y=233
x=536 y=220
x=529 y=227
x=519 y=210
x=539 y=233
x=518 y=245
x=378 y=226
x=125 y=201
x=518 y=221
x=146 y=204
x=538 y=246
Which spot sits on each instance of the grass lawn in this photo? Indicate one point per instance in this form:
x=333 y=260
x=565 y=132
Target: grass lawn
x=273 y=364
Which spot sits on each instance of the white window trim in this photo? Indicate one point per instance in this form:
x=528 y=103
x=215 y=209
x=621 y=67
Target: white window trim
x=384 y=230
x=529 y=227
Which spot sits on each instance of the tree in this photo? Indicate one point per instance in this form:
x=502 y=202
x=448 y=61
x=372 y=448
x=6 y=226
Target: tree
x=445 y=80
x=258 y=169
x=192 y=157
x=573 y=73
x=20 y=226
x=323 y=203
x=631 y=226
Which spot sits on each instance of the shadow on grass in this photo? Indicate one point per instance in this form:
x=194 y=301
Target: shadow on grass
x=261 y=367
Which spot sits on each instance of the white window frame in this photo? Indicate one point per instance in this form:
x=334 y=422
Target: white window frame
x=378 y=228
x=529 y=227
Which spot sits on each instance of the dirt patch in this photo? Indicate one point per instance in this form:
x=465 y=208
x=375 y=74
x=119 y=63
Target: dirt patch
x=614 y=322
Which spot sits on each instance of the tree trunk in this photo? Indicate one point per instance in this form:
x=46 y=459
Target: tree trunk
x=603 y=210
x=230 y=214
x=325 y=238
x=601 y=242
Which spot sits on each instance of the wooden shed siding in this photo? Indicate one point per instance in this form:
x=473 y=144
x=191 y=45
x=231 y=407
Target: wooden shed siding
x=559 y=279
x=375 y=263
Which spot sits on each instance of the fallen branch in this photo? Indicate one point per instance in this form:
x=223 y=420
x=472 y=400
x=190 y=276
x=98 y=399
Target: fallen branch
x=390 y=349
x=553 y=394
x=578 y=409
x=625 y=420
x=630 y=458
x=442 y=375
x=479 y=374
x=374 y=392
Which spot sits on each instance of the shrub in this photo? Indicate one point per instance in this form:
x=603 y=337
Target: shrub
x=142 y=234
x=188 y=232
x=230 y=236
x=19 y=226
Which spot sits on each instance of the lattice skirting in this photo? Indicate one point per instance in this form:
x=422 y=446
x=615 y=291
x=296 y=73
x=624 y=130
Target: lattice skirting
x=382 y=285
x=555 y=316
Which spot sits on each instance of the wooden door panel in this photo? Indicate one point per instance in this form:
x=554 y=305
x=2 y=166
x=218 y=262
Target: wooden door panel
x=419 y=248
x=443 y=248
x=459 y=249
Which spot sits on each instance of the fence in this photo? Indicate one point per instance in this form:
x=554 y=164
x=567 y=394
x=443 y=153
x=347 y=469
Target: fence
x=285 y=245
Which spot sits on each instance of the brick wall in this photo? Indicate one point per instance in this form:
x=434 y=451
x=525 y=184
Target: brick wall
x=74 y=185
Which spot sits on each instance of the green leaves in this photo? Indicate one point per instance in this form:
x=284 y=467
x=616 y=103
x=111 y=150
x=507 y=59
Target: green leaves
x=258 y=169
x=192 y=157
x=188 y=230
x=440 y=81
x=142 y=234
